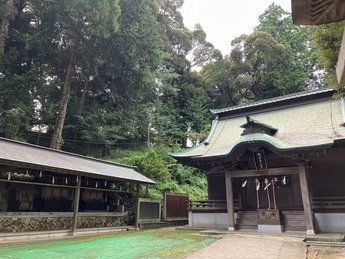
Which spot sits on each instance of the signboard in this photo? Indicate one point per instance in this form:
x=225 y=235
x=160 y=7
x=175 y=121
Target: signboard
x=175 y=205
x=269 y=217
x=260 y=160
x=149 y=210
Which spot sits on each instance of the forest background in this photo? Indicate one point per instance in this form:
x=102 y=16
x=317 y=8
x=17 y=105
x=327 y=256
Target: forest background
x=126 y=81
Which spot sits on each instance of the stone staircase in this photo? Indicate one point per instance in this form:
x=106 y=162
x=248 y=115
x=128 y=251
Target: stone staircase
x=293 y=220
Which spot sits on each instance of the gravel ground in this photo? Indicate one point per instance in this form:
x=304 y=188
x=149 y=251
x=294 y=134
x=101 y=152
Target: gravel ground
x=266 y=247
x=325 y=252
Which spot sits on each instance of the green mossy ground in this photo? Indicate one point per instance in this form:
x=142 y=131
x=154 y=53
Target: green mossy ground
x=161 y=243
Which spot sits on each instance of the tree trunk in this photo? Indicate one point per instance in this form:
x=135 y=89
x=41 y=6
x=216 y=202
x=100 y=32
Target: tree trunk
x=82 y=98
x=4 y=22
x=55 y=142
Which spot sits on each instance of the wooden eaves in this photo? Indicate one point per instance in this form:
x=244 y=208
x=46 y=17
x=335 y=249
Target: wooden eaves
x=23 y=155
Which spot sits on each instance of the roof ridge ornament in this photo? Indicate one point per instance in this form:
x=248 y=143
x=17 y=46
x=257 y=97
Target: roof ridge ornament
x=254 y=126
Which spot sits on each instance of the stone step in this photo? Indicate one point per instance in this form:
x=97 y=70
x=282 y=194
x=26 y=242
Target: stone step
x=295 y=228
x=294 y=217
x=246 y=227
x=39 y=235
x=293 y=212
x=326 y=237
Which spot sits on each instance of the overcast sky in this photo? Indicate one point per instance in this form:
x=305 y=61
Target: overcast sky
x=224 y=20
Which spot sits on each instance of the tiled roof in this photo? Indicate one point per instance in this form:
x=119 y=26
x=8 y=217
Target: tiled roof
x=273 y=100
x=305 y=126
x=18 y=153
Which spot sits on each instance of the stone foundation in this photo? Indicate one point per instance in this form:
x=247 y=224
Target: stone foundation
x=100 y=222
x=29 y=223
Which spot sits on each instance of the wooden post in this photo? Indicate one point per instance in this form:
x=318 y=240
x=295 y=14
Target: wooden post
x=165 y=205
x=306 y=197
x=208 y=185
x=230 y=202
x=76 y=205
x=136 y=223
x=340 y=70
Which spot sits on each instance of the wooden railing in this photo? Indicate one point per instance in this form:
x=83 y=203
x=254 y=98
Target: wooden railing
x=210 y=205
x=329 y=202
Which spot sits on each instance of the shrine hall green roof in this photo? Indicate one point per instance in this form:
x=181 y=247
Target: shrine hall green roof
x=276 y=100
x=301 y=125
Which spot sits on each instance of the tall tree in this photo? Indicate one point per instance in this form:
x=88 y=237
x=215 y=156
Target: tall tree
x=254 y=57
x=7 y=12
x=75 y=23
x=185 y=50
x=276 y=59
x=297 y=69
x=202 y=52
x=327 y=39
x=90 y=80
x=122 y=88
x=220 y=78
x=19 y=77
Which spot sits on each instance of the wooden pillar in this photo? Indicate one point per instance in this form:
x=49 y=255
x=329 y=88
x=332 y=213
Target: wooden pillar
x=306 y=197
x=164 y=205
x=209 y=187
x=230 y=202
x=76 y=205
x=136 y=223
x=340 y=70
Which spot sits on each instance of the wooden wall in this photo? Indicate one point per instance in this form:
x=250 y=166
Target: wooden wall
x=287 y=197
x=216 y=187
x=328 y=182
x=175 y=205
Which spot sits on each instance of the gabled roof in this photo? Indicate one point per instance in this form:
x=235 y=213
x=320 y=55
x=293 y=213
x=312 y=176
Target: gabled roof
x=26 y=155
x=290 y=98
x=299 y=127
x=255 y=126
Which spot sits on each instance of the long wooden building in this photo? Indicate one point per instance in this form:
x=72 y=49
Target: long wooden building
x=50 y=191
x=274 y=165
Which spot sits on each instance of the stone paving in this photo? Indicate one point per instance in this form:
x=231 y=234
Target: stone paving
x=258 y=246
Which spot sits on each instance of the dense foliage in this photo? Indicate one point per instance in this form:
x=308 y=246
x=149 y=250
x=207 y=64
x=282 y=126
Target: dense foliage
x=170 y=176
x=327 y=39
x=94 y=77
x=100 y=73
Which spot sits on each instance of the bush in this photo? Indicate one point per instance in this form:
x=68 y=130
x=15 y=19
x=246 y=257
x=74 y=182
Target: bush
x=169 y=175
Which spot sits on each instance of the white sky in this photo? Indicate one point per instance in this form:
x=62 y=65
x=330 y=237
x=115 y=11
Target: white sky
x=224 y=20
